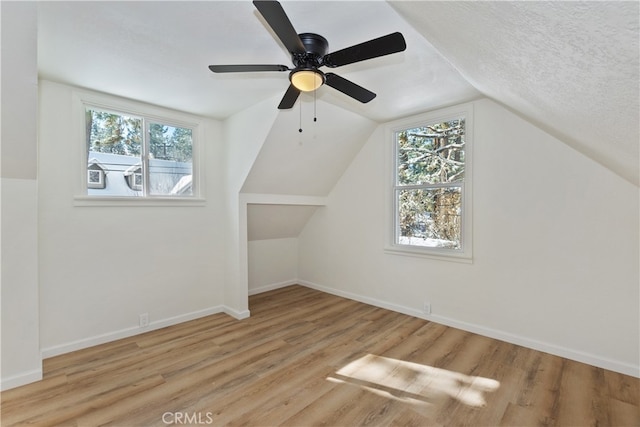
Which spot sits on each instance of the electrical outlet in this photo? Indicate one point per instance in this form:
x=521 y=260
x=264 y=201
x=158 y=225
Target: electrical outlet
x=143 y=320
x=426 y=308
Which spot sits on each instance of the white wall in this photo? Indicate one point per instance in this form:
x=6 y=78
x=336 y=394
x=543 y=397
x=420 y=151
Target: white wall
x=100 y=267
x=20 y=349
x=309 y=162
x=272 y=224
x=272 y=263
x=555 y=247
x=244 y=133
x=288 y=180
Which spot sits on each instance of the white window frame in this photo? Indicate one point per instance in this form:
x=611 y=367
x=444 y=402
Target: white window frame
x=82 y=99
x=465 y=253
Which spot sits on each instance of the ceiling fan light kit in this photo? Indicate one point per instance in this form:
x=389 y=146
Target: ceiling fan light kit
x=309 y=52
x=307 y=80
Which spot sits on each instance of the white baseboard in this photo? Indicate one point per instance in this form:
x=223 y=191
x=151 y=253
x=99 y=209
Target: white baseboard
x=21 y=379
x=239 y=315
x=591 y=359
x=129 y=332
x=272 y=286
x=579 y=356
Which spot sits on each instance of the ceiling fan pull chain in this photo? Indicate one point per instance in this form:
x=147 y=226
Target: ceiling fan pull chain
x=300 y=121
x=315 y=119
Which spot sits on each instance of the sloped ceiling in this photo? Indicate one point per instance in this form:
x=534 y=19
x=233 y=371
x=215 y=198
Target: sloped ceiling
x=308 y=162
x=570 y=67
x=302 y=163
x=158 y=52
x=276 y=221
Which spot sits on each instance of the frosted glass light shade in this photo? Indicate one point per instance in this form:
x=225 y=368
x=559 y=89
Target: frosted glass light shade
x=307 y=80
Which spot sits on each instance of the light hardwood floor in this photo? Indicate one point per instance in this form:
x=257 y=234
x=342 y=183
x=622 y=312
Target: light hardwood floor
x=309 y=358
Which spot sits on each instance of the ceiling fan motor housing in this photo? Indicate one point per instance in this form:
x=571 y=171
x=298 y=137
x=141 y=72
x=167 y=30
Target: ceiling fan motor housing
x=306 y=76
x=316 y=48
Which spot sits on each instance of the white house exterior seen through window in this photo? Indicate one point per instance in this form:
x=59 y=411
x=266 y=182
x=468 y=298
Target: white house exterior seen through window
x=136 y=156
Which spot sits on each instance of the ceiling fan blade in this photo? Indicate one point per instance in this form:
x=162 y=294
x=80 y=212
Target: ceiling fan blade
x=374 y=48
x=289 y=99
x=279 y=22
x=349 y=88
x=246 y=68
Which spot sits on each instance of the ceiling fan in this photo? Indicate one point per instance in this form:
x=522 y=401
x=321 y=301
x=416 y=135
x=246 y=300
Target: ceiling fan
x=309 y=52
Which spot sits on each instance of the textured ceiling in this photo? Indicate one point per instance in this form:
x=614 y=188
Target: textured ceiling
x=158 y=52
x=570 y=67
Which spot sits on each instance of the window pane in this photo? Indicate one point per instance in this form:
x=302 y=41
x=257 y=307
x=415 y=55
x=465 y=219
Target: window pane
x=170 y=164
x=431 y=154
x=430 y=217
x=114 y=146
x=114 y=133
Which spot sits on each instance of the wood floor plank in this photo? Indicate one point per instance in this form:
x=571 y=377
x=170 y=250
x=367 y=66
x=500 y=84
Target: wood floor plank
x=269 y=393
x=624 y=413
x=409 y=418
x=516 y=415
x=306 y=358
x=622 y=387
x=580 y=400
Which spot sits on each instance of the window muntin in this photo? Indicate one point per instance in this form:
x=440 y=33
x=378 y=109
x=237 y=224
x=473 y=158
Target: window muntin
x=429 y=185
x=143 y=157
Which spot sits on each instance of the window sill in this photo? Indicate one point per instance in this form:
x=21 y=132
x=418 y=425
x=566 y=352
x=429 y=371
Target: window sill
x=429 y=254
x=99 y=201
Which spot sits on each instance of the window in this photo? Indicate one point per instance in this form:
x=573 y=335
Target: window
x=96 y=176
x=431 y=188
x=133 y=176
x=144 y=157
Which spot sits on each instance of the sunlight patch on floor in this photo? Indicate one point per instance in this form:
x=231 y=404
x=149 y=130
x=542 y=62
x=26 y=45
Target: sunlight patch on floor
x=413 y=382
